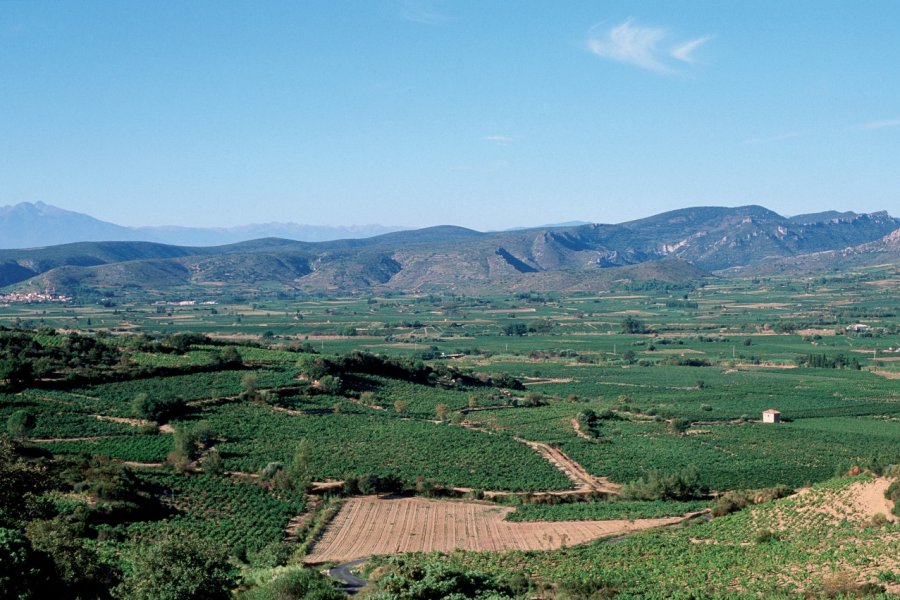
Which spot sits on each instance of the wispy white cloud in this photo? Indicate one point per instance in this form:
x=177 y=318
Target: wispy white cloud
x=881 y=124
x=426 y=12
x=685 y=52
x=773 y=138
x=630 y=44
x=642 y=47
x=498 y=139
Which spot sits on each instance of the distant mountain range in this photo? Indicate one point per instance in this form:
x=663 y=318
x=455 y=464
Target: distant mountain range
x=675 y=246
x=28 y=225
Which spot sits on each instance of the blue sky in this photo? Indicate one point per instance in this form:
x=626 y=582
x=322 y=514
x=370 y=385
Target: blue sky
x=484 y=113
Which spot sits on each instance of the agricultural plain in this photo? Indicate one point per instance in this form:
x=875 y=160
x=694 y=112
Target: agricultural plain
x=542 y=421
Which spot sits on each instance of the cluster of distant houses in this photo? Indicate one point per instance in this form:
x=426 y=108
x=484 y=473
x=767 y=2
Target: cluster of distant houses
x=32 y=298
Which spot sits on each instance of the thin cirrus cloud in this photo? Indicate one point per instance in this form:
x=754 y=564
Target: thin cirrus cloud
x=644 y=47
x=881 y=124
x=425 y=12
x=498 y=139
x=773 y=138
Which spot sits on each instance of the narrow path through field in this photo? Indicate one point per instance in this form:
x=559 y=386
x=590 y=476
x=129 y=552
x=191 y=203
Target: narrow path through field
x=89 y=438
x=583 y=480
x=290 y=411
x=577 y=427
x=164 y=428
x=543 y=380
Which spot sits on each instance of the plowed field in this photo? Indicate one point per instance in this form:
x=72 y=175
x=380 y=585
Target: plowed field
x=370 y=525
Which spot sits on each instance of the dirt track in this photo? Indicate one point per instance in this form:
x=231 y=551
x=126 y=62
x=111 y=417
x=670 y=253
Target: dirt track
x=369 y=525
x=583 y=480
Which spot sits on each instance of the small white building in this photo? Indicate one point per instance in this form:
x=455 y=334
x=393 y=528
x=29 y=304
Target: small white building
x=771 y=416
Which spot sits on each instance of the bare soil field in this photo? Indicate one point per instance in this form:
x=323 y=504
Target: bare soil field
x=818 y=331
x=773 y=305
x=370 y=525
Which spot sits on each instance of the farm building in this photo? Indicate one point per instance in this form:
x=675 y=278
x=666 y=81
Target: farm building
x=771 y=416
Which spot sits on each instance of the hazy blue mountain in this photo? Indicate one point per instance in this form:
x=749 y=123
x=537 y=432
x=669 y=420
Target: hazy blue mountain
x=821 y=217
x=28 y=225
x=215 y=236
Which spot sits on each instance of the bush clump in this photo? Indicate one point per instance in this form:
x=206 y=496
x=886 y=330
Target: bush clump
x=656 y=485
x=735 y=500
x=304 y=583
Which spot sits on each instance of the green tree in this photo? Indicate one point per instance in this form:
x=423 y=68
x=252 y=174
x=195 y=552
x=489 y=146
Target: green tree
x=312 y=367
x=159 y=410
x=294 y=585
x=330 y=384
x=632 y=325
x=20 y=424
x=299 y=470
x=679 y=426
x=80 y=571
x=519 y=329
x=230 y=356
x=177 y=567
x=441 y=411
x=534 y=398
x=213 y=463
x=22 y=482
x=15 y=370
x=24 y=573
x=250 y=383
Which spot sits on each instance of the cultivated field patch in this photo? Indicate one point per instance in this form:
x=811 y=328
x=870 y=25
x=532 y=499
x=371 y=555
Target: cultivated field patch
x=369 y=525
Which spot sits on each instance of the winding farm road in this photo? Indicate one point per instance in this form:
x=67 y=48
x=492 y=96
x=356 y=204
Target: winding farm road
x=343 y=573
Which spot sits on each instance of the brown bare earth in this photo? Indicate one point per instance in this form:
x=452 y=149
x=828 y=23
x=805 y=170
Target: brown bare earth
x=369 y=525
x=289 y=411
x=817 y=331
x=863 y=500
x=888 y=374
x=165 y=428
x=775 y=305
x=543 y=380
